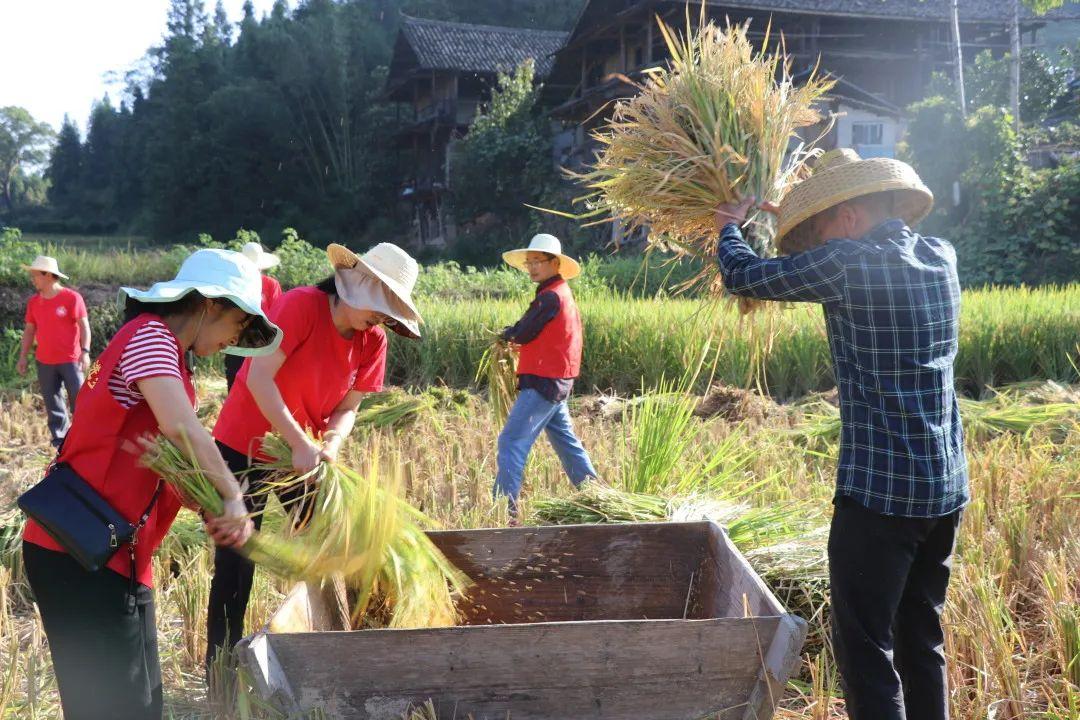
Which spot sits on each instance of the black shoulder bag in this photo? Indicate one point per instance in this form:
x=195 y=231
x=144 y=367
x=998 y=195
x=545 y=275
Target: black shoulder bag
x=82 y=522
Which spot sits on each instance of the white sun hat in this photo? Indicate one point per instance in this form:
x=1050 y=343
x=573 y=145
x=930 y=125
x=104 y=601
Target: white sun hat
x=568 y=266
x=382 y=279
x=219 y=274
x=44 y=263
x=263 y=260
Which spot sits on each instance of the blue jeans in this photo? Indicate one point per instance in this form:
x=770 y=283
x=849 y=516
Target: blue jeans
x=531 y=414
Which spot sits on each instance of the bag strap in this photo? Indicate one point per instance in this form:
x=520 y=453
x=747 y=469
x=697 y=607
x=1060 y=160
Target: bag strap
x=132 y=583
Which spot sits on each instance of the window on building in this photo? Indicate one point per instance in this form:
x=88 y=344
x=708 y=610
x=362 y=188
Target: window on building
x=867 y=133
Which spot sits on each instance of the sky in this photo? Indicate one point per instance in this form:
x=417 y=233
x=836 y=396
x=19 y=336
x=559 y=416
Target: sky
x=58 y=54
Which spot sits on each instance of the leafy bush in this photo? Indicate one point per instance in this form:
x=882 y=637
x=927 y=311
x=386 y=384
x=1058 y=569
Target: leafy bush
x=1014 y=224
x=14 y=253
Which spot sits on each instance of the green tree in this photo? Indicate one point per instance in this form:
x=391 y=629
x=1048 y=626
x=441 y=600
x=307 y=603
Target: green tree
x=23 y=141
x=65 y=168
x=505 y=159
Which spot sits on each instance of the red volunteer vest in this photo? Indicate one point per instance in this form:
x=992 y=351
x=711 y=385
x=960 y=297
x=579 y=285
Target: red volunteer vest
x=556 y=351
x=101 y=448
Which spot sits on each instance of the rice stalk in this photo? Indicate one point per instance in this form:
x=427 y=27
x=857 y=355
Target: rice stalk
x=711 y=127
x=498 y=369
x=392 y=410
x=376 y=540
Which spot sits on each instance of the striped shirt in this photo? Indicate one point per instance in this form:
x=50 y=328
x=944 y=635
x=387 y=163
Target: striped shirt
x=892 y=311
x=151 y=352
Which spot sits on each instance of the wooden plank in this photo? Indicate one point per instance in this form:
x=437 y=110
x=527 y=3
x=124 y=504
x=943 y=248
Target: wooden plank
x=777 y=666
x=576 y=573
x=661 y=670
x=267 y=675
x=738 y=591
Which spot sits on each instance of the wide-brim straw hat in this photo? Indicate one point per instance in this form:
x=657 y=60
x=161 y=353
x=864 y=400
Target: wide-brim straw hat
x=568 y=266
x=44 y=263
x=841 y=175
x=219 y=274
x=263 y=260
x=398 y=272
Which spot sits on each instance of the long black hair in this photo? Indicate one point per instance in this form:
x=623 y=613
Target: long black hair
x=328 y=286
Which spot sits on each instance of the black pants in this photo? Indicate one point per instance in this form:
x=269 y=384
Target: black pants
x=105 y=658
x=54 y=380
x=232 y=366
x=233 y=573
x=888 y=577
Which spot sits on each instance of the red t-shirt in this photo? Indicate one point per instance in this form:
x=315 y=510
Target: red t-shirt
x=271 y=291
x=57 y=322
x=320 y=369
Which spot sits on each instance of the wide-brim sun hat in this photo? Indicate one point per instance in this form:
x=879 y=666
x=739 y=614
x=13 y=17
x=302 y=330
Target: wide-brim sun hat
x=219 y=274
x=263 y=260
x=841 y=175
x=44 y=263
x=395 y=270
x=568 y=266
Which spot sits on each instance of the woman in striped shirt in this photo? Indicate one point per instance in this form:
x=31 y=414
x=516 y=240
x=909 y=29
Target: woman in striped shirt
x=100 y=625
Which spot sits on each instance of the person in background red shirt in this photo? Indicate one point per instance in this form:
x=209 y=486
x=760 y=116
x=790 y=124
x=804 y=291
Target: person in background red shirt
x=308 y=392
x=56 y=319
x=271 y=291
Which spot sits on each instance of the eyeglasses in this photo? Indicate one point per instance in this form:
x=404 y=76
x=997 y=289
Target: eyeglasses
x=386 y=320
x=537 y=263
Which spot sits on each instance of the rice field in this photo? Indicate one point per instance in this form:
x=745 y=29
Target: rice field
x=1013 y=618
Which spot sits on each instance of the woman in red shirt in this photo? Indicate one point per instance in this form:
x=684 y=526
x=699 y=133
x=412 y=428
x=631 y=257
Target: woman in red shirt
x=308 y=391
x=100 y=625
x=271 y=291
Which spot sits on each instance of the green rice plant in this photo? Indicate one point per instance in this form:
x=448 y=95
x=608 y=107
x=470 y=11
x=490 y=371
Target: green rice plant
x=714 y=125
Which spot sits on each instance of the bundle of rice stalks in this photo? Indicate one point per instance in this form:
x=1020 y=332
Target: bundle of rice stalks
x=797 y=571
x=178 y=470
x=984 y=419
x=596 y=503
x=391 y=409
x=373 y=537
x=1005 y=412
x=498 y=369
x=351 y=527
x=711 y=128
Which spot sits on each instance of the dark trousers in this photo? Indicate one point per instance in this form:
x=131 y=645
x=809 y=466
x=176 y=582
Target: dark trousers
x=888 y=577
x=105 y=658
x=54 y=379
x=232 y=366
x=233 y=573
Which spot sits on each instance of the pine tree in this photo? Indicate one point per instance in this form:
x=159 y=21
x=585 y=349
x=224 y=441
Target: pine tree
x=65 y=168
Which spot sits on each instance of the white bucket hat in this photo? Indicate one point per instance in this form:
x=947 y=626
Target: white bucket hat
x=382 y=279
x=219 y=274
x=263 y=260
x=44 y=263
x=568 y=266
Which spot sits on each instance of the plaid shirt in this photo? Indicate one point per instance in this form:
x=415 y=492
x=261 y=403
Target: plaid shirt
x=892 y=306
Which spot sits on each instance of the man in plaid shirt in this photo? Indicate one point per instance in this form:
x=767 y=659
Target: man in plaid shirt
x=891 y=300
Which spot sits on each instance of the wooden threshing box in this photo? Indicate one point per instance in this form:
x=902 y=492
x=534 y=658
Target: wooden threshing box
x=660 y=621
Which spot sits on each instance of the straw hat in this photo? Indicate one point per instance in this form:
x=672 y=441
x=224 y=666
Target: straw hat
x=568 y=266
x=263 y=260
x=841 y=175
x=397 y=272
x=44 y=263
x=218 y=274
